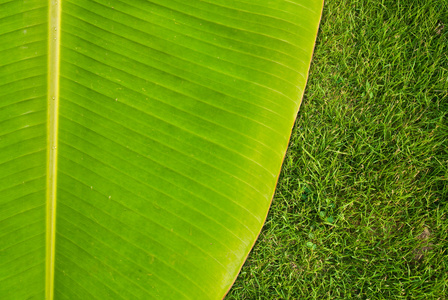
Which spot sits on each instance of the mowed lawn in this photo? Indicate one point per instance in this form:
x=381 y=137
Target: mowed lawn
x=361 y=206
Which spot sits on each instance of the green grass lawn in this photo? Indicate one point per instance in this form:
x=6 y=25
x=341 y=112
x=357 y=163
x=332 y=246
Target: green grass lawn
x=361 y=206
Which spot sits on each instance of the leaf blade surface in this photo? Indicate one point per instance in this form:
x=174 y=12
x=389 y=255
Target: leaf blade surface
x=174 y=119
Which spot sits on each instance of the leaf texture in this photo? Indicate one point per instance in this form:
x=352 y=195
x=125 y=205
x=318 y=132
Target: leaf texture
x=173 y=121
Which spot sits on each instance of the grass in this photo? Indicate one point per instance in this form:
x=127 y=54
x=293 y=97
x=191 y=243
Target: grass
x=361 y=206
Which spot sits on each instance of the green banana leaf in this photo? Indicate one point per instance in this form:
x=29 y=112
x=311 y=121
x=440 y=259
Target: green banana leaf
x=141 y=141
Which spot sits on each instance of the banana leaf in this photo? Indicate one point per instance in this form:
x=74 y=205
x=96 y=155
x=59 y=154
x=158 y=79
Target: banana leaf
x=141 y=141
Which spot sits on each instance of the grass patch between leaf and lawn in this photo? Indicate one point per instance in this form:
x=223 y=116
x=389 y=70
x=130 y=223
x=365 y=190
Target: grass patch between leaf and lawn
x=361 y=206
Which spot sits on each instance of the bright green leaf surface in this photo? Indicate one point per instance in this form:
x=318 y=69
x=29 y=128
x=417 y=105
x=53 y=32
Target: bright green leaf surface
x=174 y=117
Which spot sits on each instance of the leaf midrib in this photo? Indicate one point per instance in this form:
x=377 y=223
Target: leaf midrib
x=54 y=33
